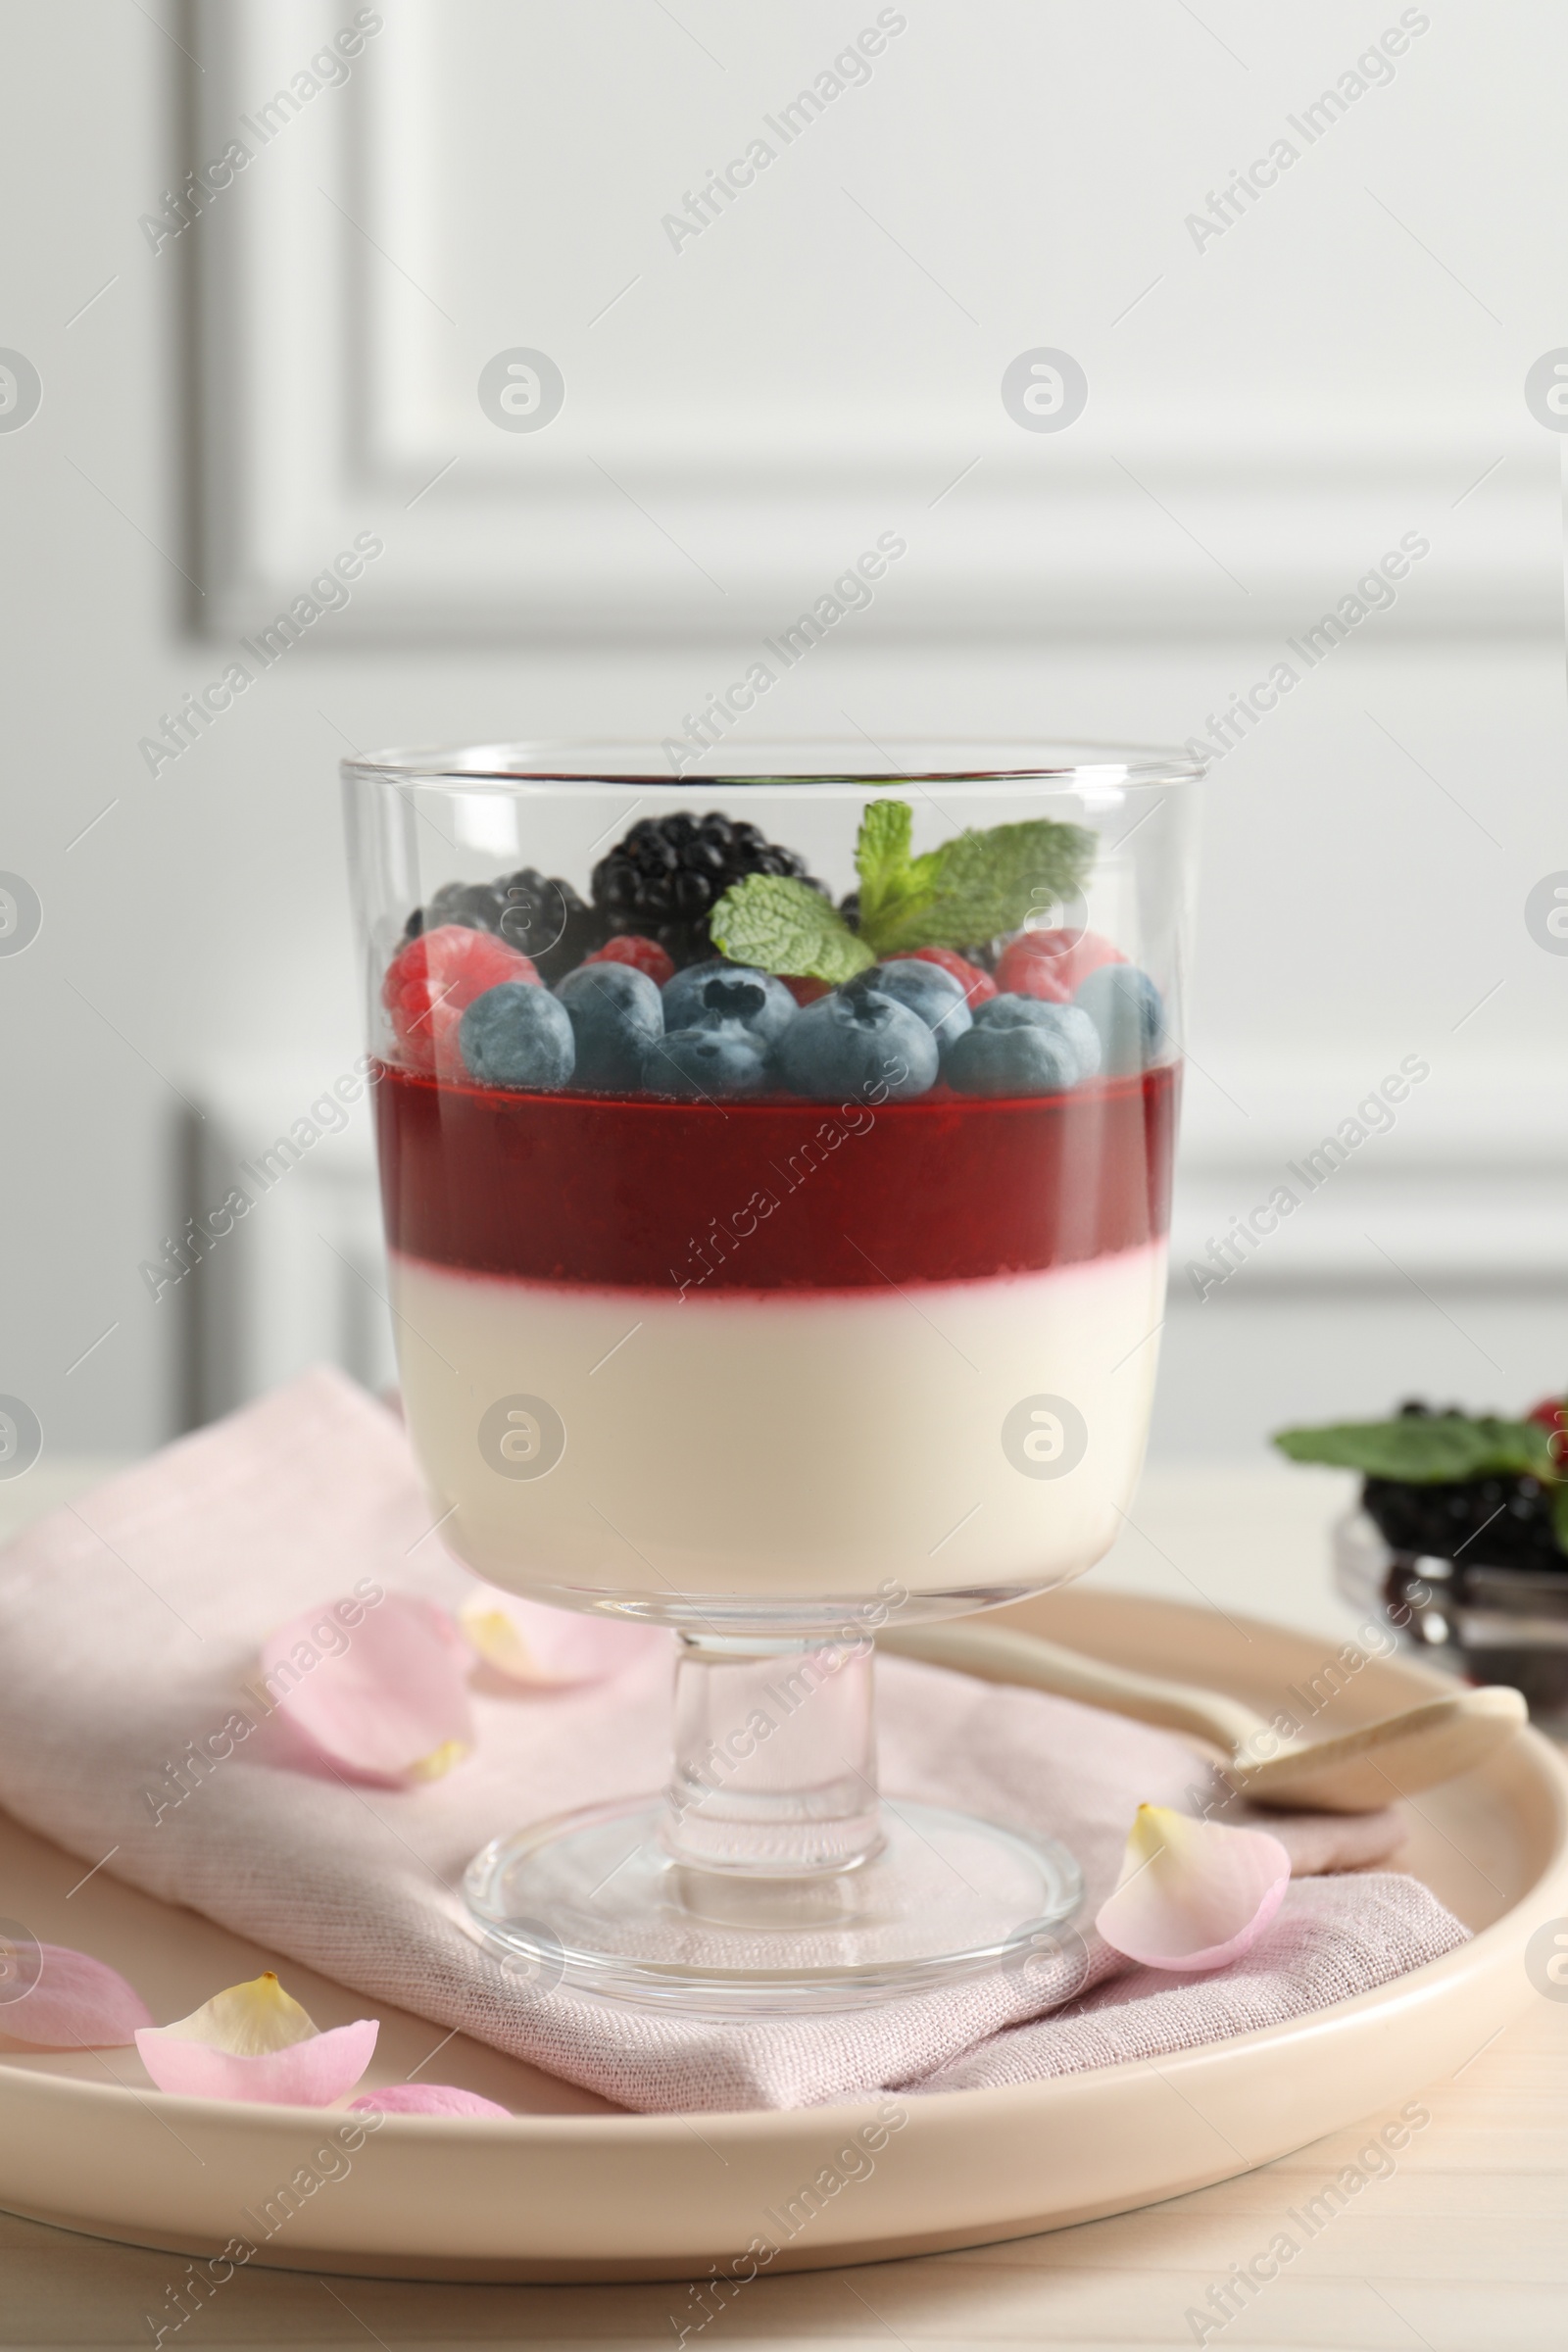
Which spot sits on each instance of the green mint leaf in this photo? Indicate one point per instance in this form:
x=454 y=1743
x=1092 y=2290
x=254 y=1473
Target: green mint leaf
x=882 y=846
x=882 y=860
x=781 y=926
x=980 y=884
x=1426 y=1449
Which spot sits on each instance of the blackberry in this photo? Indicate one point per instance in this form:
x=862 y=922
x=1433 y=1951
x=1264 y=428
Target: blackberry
x=539 y=915
x=1484 y=1522
x=1503 y=1521
x=664 y=879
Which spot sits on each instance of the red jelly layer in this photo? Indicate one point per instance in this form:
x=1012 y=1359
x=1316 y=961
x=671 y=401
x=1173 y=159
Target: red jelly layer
x=773 y=1195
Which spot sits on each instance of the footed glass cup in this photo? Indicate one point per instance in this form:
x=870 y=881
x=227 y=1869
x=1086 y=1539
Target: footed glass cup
x=776 y=1170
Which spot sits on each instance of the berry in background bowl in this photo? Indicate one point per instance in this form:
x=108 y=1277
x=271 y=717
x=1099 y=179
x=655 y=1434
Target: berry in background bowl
x=1551 y=1415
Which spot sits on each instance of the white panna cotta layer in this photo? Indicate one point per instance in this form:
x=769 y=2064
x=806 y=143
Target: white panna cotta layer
x=749 y=1446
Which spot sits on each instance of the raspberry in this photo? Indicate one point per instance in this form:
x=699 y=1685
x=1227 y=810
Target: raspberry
x=804 y=991
x=976 y=985
x=643 y=954
x=429 y=982
x=1552 y=1415
x=1053 y=964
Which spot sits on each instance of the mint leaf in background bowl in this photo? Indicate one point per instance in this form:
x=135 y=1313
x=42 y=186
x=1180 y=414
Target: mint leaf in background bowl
x=1421 y=1449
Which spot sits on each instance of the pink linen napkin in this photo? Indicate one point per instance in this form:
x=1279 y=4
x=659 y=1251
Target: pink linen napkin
x=129 y=1620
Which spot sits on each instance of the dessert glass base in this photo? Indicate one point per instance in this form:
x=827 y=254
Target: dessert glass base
x=595 y=1901
x=770 y=1876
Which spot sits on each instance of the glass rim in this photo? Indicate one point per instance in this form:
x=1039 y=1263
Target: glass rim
x=790 y=762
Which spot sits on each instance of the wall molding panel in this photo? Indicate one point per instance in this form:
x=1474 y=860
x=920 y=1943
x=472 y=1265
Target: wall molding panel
x=360 y=273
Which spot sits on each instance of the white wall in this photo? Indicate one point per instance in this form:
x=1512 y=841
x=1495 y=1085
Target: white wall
x=1337 y=368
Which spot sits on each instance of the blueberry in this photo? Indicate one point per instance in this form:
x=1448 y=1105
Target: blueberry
x=857 y=1043
x=1068 y=1024
x=517 y=1035
x=1025 y=1059
x=729 y=992
x=615 y=1016
x=926 y=989
x=683 y=995
x=1127 y=1009
x=721 y=1057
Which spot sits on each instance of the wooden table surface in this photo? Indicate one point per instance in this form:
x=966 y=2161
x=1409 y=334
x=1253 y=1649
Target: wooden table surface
x=1463 y=2247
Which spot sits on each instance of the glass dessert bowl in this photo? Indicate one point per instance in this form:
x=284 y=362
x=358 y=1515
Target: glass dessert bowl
x=776 y=1169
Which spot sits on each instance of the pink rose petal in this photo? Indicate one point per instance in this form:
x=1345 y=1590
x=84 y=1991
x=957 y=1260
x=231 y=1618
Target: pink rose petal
x=309 y=2074
x=72 y=2001
x=386 y=1696
x=1193 y=1895
x=425 y=2098
x=544 y=1647
x=253 y=2041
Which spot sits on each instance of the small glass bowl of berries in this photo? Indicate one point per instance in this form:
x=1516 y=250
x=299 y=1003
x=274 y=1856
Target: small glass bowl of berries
x=1460 y=1538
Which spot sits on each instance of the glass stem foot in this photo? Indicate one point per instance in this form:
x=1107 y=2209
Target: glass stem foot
x=775 y=1757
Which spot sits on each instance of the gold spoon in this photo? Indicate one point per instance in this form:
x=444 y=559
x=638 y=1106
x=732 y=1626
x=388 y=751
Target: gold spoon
x=1352 y=1772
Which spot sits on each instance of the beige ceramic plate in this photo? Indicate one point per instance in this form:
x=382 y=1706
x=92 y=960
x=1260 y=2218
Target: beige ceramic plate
x=570 y=2189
